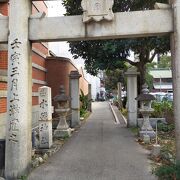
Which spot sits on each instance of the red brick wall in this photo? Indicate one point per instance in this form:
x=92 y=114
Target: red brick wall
x=36 y=57
x=58 y=73
x=41 y=47
x=38 y=74
x=3 y=105
x=83 y=83
x=36 y=87
x=3 y=86
x=3 y=59
x=39 y=7
x=34 y=101
x=59 y=69
x=4 y=9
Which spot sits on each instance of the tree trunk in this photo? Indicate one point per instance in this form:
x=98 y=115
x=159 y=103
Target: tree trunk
x=141 y=66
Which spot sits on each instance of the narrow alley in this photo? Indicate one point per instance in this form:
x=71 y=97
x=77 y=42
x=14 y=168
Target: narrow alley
x=100 y=150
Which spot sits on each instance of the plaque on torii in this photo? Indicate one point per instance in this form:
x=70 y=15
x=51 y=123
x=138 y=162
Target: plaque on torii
x=97 y=10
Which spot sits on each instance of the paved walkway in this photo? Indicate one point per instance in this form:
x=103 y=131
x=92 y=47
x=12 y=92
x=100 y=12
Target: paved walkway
x=101 y=150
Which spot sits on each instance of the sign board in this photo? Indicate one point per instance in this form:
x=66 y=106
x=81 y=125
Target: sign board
x=97 y=10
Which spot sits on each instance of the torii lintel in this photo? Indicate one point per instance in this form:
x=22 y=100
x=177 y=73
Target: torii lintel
x=71 y=28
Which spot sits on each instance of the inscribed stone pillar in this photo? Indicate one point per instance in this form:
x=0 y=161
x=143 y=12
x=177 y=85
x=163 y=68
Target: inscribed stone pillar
x=89 y=98
x=74 y=93
x=45 y=117
x=175 y=47
x=131 y=95
x=19 y=100
x=119 y=94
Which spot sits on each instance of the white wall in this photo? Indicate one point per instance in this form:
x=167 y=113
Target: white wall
x=95 y=84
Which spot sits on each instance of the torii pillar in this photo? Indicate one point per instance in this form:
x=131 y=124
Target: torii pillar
x=75 y=103
x=175 y=47
x=131 y=95
x=19 y=108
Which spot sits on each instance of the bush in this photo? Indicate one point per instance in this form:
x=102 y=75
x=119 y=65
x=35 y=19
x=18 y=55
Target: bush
x=84 y=103
x=163 y=109
x=168 y=172
x=82 y=112
x=84 y=100
x=124 y=112
x=165 y=127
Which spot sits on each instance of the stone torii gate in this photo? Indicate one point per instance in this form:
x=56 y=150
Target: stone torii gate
x=21 y=28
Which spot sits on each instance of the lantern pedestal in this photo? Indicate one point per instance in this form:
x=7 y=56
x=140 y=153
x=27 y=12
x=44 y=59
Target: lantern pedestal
x=63 y=129
x=145 y=100
x=151 y=134
x=62 y=109
x=62 y=133
x=146 y=128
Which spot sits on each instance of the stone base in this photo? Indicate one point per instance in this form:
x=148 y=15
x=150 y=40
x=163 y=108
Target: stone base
x=146 y=139
x=151 y=134
x=156 y=150
x=62 y=133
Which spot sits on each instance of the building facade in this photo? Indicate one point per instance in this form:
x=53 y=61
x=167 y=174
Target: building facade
x=59 y=69
x=162 y=80
x=39 y=53
x=51 y=71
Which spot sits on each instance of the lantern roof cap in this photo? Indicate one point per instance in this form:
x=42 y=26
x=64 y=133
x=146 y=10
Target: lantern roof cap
x=145 y=97
x=61 y=97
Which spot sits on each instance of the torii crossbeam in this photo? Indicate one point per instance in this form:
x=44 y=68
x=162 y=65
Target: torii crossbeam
x=20 y=29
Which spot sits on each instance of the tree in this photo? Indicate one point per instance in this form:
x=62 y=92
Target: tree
x=149 y=77
x=165 y=62
x=112 y=78
x=111 y=54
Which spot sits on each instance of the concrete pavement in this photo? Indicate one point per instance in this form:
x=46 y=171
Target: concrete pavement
x=101 y=150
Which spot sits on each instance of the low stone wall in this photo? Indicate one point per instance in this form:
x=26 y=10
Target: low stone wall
x=152 y=121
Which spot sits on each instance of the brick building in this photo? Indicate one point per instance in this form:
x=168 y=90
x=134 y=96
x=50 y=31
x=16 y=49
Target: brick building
x=39 y=53
x=59 y=69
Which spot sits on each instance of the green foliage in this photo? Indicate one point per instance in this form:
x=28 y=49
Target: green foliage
x=84 y=104
x=135 y=130
x=24 y=177
x=148 y=77
x=112 y=78
x=165 y=172
x=168 y=172
x=124 y=112
x=161 y=109
x=149 y=81
x=166 y=127
x=165 y=62
x=82 y=112
x=151 y=65
x=111 y=54
x=84 y=100
x=178 y=170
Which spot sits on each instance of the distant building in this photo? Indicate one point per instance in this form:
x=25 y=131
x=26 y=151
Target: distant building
x=162 y=80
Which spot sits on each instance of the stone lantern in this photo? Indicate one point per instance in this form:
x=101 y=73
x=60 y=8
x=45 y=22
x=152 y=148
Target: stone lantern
x=145 y=109
x=62 y=109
